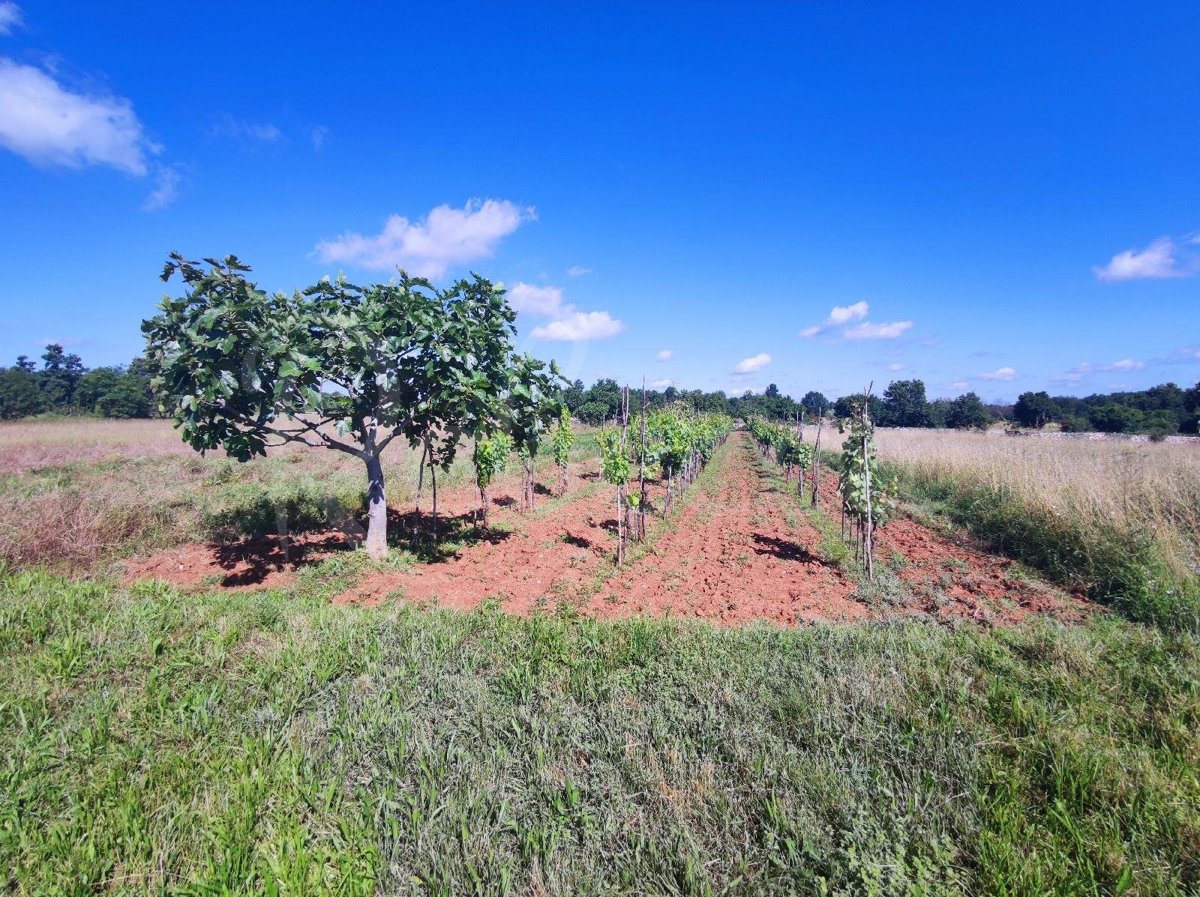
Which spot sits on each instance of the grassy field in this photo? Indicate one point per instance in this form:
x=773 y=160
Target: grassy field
x=216 y=742
x=1118 y=520
x=77 y=493
x=274 y=743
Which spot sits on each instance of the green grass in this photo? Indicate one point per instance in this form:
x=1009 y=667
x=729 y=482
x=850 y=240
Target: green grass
x=269 y=742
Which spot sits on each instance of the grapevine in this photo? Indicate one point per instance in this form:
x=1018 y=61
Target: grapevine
x=490 y=458
x=561 y=443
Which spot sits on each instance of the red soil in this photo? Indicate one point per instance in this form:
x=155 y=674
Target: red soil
x=734 y=558
x=746 y=552
x=249 y=564
x=948 y=576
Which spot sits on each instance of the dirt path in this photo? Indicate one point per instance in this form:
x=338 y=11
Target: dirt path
x=737 y=553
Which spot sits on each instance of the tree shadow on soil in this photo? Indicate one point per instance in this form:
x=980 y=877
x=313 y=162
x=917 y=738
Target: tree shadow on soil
x=416 y=533
x=786 y=550
x=251 y=561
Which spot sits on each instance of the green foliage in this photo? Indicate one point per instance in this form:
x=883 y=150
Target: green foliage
x=19 y=394
x=614 y=461
x=904 y=405
x=563 y=439
x=491 y=457
x=1034 y=409
x=533 y=403
x=858 y=456
x=814 y=403
x=968 y=412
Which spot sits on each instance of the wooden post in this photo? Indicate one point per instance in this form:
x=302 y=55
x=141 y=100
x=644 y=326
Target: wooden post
x=868 y=535
x=816 y=474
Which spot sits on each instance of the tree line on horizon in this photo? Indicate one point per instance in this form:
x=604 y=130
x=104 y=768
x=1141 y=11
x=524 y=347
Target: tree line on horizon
x=62 y=385
x=1159 y=411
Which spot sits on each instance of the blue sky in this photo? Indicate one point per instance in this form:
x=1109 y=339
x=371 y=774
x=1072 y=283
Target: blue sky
x=996 y=197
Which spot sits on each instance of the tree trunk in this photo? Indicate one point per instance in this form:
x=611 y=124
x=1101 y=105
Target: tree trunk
x=377 y=547
x=562 y=480
x=485 y=502
x=528 y=499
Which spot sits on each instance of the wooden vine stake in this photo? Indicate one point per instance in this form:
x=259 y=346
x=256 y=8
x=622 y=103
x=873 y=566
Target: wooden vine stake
x=640 y=535
x=869 y=534
x=816 y=471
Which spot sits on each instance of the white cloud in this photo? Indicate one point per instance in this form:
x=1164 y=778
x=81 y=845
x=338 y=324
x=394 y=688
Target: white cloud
x=569 y=323
x=664 y=355
x=752 y=364
x=662 y=384
x=1155 y=262
x=1006 y=374
x=165 y=191
x=1125 y=364
x=578 y=271
x=838 y=315
x=10 y=17
x=867 y=330
x=228 y=126
x=49 y=125
x=895 y=366
x=959 y=384
x=541 y=301
x=580 y=325
x=843 y=314
x=320 y=135
x=427 y=248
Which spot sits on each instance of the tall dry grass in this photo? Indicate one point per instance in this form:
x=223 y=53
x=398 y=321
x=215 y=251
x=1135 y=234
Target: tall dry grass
x=1103 y=515
x=77 y=492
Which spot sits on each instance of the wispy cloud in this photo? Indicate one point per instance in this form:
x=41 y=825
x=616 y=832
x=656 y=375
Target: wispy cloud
x=1160 y=260
x=429 y=247
x=166 y=189
x=10 y=17
x=838 y=316
x=1081 y=371
x=867 y=330
x=1005 y=374
x=895 y=366
x=664 y=355
x=49 y=125
x=753 y=364
x=959 y=384
x=247 y=132
x=580 y=325
x=578 y=271
x=319 y=136
x=569 y=323
x=662 y=384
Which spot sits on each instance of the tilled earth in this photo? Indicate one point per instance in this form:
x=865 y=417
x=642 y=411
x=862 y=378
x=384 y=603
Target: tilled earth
x=739 y=548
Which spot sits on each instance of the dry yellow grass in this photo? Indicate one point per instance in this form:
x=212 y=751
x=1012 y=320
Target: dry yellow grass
x=1138 y=488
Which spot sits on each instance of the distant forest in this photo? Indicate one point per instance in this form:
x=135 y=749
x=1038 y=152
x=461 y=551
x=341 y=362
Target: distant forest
x=62 y=385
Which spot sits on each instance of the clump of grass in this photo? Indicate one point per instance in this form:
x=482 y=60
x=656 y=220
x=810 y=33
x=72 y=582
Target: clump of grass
x=270 y=742
x=67 y=529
